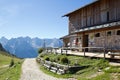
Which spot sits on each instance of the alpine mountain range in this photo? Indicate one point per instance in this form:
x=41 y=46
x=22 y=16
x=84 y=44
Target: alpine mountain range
x=26 y=47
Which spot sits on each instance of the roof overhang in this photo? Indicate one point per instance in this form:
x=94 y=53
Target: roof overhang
x=68 y=36
x=80 y=8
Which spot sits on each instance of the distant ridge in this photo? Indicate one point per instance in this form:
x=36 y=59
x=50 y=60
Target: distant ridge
x=26 y=47
x=3 y=51
x=1 y=48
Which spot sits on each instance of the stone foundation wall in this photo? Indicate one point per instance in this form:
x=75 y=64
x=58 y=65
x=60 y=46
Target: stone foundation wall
x=108 y=41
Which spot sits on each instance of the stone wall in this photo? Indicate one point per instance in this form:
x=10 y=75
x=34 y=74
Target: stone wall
x=109 y=41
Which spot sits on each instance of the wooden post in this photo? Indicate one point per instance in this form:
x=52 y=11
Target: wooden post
x=84 y=52
x=61 y=51
x=66 y=51
x=47 y=50
x=104 y=53
x=51 y=50
x=56 y=51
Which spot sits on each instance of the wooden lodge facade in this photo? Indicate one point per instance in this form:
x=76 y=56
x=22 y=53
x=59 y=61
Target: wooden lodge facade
x=95 y=25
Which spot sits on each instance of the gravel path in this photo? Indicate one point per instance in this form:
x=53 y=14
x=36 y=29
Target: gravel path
x=31 y=71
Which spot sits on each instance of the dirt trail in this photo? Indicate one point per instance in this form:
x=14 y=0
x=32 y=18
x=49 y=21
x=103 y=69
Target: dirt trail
x=31 y=71
x=4 y=66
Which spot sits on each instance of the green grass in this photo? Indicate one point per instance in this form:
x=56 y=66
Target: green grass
x=105 y=76
x=85 y=74
x=12 y=73
x=113 y=69
x=5 y=59
x=81 y=61
x=9 y=73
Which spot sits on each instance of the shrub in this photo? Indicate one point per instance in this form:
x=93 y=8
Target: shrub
x=58 y=59
x=11 y=63
x=64 y=60
x=42 y=54
x=47 y=58
x=19 y=62
x=40 y=50
x=53 y=59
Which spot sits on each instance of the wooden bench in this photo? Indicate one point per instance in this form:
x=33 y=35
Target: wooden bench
x=112 y=55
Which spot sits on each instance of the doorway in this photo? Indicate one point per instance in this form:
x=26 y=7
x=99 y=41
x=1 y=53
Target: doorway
x=85 y=41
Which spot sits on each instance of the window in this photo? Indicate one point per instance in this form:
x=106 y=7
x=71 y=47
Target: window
x=97 y=35
x=107 y=16
x=118 y=32
x=109 y=33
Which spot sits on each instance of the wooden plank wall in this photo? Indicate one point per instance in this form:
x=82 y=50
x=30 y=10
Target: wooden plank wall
x=99 y=12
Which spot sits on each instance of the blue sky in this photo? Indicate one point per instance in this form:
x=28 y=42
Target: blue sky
x=36 y=18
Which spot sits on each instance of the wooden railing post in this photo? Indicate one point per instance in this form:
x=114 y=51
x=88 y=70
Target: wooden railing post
x=104 y=53
x=47 y=50
x=84 y=52
x=61 y=51
x=51 y=50
x=66 y=51
x=55 y=50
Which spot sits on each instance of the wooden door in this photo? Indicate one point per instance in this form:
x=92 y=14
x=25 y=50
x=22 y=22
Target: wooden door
x=85 y=41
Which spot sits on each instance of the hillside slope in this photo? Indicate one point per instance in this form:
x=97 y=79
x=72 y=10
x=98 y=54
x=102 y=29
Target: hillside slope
x=5 y=57
x=7 y=73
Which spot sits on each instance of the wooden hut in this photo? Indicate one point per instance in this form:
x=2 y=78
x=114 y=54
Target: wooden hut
x=96 y=24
